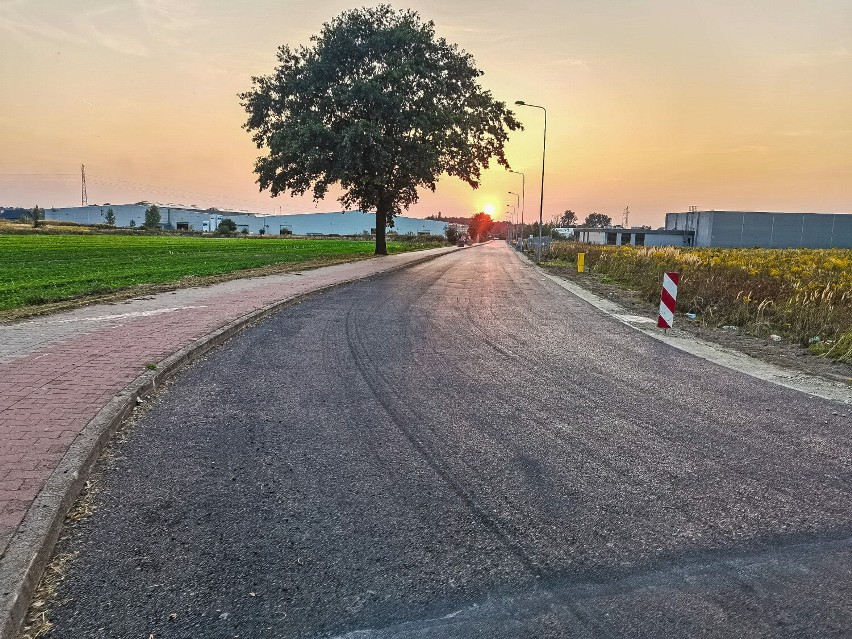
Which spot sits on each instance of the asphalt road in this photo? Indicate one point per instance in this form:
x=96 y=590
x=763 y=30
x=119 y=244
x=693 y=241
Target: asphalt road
x=464 y=449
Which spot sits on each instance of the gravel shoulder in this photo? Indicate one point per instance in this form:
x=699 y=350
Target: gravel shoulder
x=785 y=354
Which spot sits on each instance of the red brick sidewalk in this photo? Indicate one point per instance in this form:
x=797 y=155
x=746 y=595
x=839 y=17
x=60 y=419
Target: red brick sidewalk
x=57 y=373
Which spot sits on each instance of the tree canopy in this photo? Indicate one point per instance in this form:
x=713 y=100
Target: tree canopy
x=597 y=220
x=479 y=227
x=379 y=106
x=36 y=215
x=568 y=218
x=226 y=227
x=152 y=217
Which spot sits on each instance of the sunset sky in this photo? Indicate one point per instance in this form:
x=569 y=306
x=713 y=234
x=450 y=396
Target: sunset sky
x=658 y=105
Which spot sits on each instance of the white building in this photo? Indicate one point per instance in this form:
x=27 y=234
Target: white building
x=633 y=236
x=192 y=219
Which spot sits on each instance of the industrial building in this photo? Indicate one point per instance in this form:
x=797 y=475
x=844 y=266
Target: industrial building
x=761 y=229
x=634 y=236
x=191 y=219
x=730 y=229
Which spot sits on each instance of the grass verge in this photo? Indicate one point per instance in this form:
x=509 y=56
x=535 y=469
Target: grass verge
x=46 y=272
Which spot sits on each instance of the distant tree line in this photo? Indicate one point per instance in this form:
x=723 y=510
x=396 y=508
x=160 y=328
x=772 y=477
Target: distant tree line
x=449 y=219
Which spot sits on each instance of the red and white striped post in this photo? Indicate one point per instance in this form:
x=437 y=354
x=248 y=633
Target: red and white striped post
x=668 y=297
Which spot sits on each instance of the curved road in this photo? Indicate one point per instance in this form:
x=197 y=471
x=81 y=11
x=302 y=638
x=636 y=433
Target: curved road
x=465 y=449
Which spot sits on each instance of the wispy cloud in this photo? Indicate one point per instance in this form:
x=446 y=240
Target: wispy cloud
x=744 y=148
x=801 y=133
x=169 y=16
x=101 y=27
x=804 y=60
x=806 y=133
x=136 y=29
x=572 y=62
x=478 y=34
x=21 y=23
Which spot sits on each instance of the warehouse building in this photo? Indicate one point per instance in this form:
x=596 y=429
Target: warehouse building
x=183 y=218
x=634 y=236
x=731 y=229
x=761 y=229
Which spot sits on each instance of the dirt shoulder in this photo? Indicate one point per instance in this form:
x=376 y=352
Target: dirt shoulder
x=785 y=354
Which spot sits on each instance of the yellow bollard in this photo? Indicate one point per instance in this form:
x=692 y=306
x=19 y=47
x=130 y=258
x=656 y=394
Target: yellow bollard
x=581 y=262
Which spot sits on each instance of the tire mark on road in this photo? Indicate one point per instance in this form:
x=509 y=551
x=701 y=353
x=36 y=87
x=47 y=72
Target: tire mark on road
x=369 y=372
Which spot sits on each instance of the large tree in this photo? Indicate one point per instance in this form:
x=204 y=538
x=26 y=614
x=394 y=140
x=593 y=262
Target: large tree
x=379 y=106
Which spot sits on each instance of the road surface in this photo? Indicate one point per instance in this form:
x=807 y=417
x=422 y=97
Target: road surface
x=464 y=449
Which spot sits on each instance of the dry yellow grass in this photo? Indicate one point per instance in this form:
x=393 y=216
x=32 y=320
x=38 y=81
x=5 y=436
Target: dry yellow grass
x=803 y=294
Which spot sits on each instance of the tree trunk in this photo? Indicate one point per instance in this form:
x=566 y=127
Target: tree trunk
x=382 y=211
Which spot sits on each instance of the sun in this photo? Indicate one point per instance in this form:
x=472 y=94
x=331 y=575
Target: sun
x=490 y=209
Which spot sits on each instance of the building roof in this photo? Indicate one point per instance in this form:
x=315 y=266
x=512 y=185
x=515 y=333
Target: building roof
x=755 y=212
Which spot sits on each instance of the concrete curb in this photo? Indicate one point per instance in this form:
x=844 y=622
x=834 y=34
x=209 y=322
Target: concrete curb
x=31 y=546
x=837 y=391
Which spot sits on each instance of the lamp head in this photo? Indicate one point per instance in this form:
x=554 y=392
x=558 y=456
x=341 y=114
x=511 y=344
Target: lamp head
x=520 y=102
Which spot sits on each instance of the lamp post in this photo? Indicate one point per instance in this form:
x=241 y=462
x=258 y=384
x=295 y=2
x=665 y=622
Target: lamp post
x=543 y=150
x=517 y=202
x=514 y=212
x=523 y=198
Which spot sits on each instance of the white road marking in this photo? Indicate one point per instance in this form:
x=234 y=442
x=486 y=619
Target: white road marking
x=106 y=318
x=635 y=319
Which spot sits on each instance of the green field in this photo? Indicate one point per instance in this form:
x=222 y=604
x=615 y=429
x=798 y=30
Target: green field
x=41 y=269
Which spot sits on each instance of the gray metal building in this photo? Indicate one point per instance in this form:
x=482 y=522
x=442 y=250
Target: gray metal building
x=729 y=229
x=192 y=219
x=633 y=236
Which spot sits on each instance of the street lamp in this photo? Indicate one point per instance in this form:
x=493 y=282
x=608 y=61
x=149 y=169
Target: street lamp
x=523 y=198
x=543 y=150
x=512 y=220
x=517 y=202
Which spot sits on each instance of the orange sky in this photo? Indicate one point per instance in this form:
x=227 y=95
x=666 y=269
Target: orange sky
x=657 y=104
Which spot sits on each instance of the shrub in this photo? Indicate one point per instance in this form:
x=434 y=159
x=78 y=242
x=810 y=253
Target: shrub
x=226 y=227
x=34 y=216
x=152 y=217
